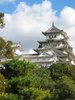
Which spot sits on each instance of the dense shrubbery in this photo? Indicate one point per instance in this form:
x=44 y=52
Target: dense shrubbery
x=26 y=81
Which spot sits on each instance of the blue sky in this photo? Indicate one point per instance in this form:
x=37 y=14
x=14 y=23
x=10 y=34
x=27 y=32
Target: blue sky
x=8 y=7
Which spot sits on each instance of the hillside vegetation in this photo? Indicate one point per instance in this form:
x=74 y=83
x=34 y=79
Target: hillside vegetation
x=22 y=80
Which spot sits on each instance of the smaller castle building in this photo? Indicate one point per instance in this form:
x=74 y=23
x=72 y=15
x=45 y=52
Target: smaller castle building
x=55 y=48
x=17 y=49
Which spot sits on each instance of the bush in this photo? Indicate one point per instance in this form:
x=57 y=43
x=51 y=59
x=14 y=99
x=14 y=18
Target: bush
x=26 y=81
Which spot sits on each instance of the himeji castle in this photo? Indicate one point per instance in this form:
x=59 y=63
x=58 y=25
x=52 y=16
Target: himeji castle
x=55 y=48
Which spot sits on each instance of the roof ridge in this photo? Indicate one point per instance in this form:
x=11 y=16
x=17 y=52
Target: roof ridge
x=52 y=29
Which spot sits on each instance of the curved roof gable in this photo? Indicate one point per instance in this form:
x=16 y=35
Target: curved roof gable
x=53 y=29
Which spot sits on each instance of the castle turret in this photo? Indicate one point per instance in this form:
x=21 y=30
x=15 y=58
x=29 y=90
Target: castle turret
x=54 y=48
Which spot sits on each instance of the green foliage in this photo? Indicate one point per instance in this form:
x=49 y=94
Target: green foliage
x=10 y=42
x=26 y=81
x=1 y=20
x=5 y=49
x=10 y=96
x=16 y=68
x=60 y=69
x=2 y=84
x=9 y=51
x=34 y=93
x=63 y=75
x=2 y=44
x=2 y=47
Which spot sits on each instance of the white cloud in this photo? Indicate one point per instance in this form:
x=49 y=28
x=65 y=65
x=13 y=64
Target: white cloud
x=2 y=1
x=27 y=22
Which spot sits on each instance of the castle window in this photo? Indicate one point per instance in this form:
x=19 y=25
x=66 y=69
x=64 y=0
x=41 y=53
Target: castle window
x=49 y=37
x=52 y=36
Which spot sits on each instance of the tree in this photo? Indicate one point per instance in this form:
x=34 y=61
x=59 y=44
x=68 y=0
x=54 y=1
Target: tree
x=26 y=81
x=5 y=47
x=64 y=77
x=2 y=84
x=8 y=96
x=6 y=50
x=9 y=50
x=1 y=20
x=2 y=47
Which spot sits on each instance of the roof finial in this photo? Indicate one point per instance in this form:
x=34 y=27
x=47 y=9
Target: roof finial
x=52 y=24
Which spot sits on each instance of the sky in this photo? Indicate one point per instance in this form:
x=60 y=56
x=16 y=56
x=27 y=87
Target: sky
x=26 y=19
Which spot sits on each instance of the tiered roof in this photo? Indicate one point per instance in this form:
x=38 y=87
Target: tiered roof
x=55 y=40
x=58 y=51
